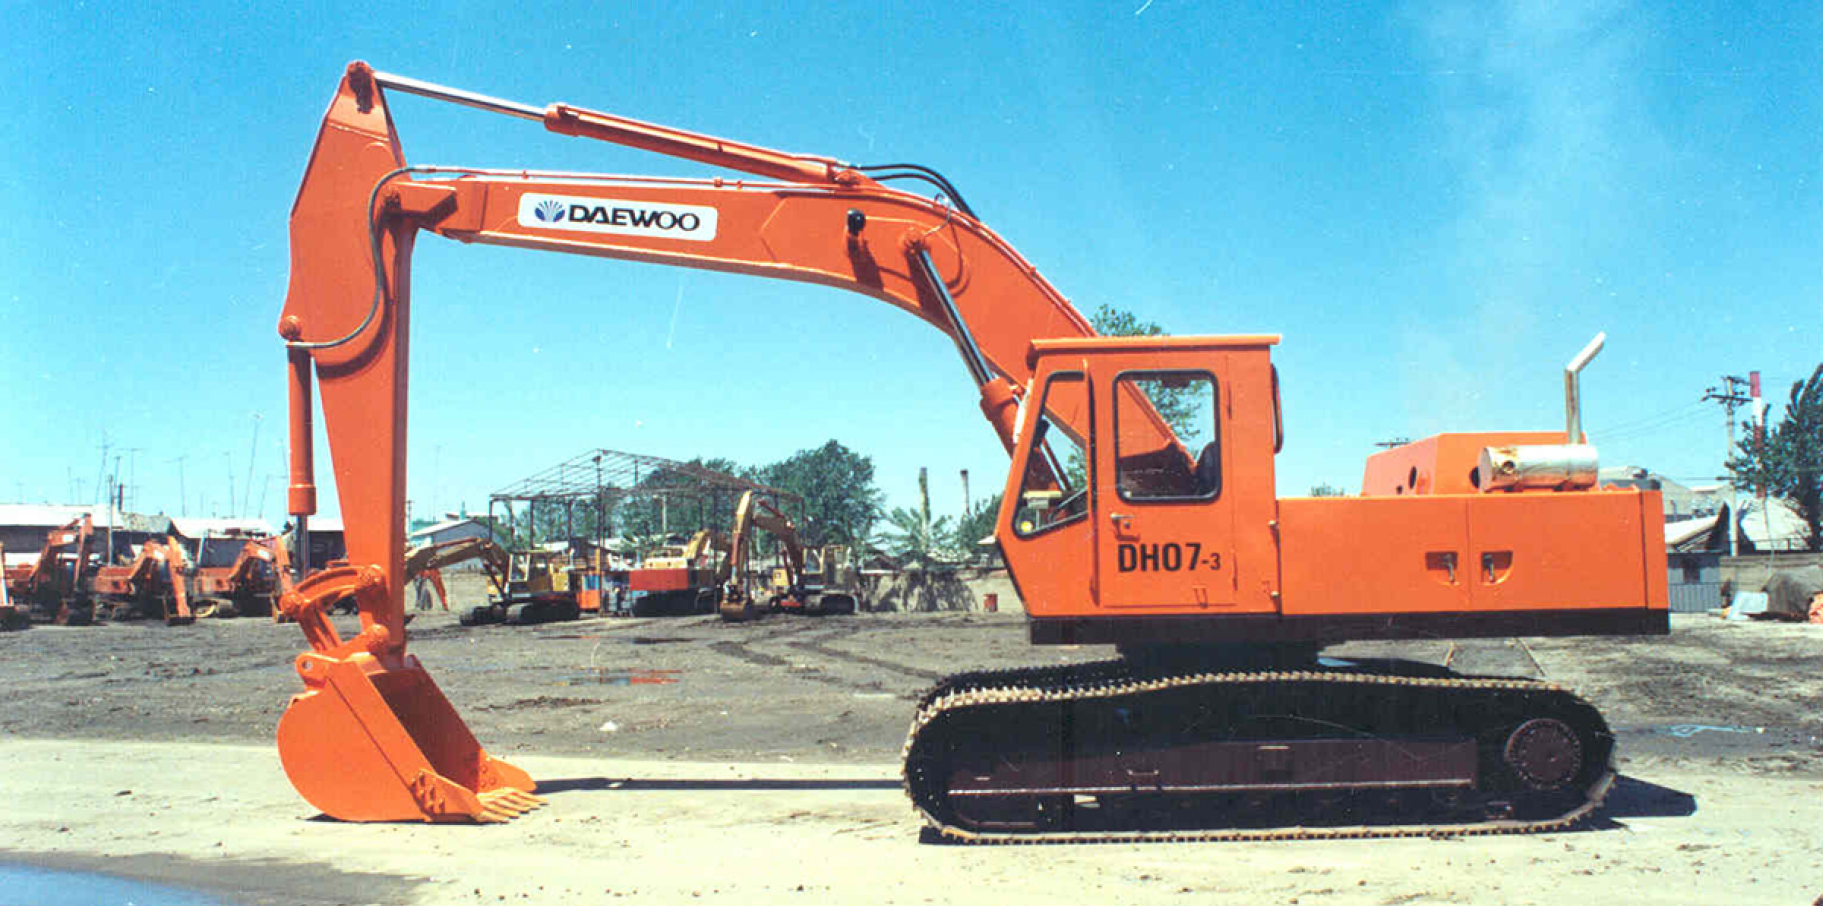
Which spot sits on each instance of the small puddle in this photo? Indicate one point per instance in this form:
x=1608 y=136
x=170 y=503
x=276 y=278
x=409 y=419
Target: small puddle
x=51 y=887
x=613 y=676
x=1685 y=731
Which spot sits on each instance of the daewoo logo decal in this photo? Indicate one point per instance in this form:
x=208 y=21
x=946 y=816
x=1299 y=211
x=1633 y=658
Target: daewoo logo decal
x=628 y=218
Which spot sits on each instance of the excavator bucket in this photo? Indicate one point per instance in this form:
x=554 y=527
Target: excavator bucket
x=372 y=741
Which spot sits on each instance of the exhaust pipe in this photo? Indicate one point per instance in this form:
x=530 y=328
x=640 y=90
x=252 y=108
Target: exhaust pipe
x=1572 y=390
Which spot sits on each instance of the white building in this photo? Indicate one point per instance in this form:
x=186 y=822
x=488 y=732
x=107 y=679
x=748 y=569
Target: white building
x=451 y=530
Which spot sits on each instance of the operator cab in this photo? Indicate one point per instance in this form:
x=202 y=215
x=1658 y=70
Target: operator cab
x=1136 y=462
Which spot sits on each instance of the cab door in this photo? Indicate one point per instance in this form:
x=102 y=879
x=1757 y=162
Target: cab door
x=1166 y=520
x=1049 y=537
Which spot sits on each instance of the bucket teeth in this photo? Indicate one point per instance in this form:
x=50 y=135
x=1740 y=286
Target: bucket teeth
x=506 y=804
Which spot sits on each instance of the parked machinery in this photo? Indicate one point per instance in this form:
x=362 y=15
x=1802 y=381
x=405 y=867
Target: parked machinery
x=428 y=561
x=150 y=586
x=751 y=515
x=792 y=586
x=680 y=579
x=528 y=586
x=830 y=582
x=247 y=586
x=1120 y=528
x=54 y=588
x=11 y=617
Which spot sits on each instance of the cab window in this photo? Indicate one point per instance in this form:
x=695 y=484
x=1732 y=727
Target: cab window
x=1167 y=441
x=1054 y=488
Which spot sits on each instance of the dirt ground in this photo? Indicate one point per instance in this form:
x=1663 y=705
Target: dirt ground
x=685 y=759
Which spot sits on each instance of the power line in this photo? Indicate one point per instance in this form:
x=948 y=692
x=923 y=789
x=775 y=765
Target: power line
x=1648 y=428
x=1630 y=424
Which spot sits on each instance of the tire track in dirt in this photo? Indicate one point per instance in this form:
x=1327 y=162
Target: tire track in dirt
x=817 y=646
x=743 y=650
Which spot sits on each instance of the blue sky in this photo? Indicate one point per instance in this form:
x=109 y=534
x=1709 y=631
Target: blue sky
x=1436 y=203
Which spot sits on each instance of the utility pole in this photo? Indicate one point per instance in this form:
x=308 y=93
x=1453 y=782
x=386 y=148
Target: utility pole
x=965 y=500
x=1731 y=397
x=101 y=477
x=113 y=507
x=1759 y=445
x=132 y=496
x=253 y=458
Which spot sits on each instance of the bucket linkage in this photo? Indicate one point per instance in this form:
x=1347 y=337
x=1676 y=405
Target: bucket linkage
x=371 y=737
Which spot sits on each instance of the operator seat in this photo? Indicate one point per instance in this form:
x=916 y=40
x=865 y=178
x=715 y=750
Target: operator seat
x=1209 y=470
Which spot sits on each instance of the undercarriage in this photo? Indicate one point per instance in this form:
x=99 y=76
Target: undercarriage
x=1137 y=749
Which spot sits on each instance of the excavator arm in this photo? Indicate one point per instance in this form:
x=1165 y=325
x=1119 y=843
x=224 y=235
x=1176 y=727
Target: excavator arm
x=346 y=327
x=429 y=560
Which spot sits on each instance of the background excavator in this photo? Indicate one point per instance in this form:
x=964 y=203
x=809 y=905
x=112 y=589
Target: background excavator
x=152 y=585
x=526 y=586
x=676 y=579
x=1163 y=539
x=246 y=586
x=738 y=595
x=72 y=584
x=53 y=587
x=793 y=586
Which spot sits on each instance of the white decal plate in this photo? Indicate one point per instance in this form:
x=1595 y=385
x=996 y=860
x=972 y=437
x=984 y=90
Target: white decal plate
x=626 y=218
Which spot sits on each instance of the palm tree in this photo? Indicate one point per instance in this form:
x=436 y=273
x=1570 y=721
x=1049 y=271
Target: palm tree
x=914 y=538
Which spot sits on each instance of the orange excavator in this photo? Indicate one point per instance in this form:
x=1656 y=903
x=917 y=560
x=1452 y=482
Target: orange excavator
x=151 y=585
x=246 y=586
x=680 y=579
x=1160 y=537
x=54 y=588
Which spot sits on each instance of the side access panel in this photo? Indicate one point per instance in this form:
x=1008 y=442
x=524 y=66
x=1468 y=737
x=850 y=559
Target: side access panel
x=1527 y=552
x=1520 y=564
x=1371 y=555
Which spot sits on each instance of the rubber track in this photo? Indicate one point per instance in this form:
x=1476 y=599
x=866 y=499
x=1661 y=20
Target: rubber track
x=1106 y=679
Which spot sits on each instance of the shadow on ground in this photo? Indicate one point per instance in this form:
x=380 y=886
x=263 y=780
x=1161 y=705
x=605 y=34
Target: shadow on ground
x=629 y=784
x=1636 y=798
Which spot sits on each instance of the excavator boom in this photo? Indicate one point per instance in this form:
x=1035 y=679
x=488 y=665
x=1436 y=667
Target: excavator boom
x=346 y=324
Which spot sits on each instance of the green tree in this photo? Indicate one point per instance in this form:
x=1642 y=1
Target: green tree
x=841 y=502
x=1325 y=489
x=1788 y=464
x=974 y=525
x=1177 y=406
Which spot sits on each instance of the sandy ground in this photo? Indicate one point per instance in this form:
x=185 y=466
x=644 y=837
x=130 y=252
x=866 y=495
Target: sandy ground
x=764 y=771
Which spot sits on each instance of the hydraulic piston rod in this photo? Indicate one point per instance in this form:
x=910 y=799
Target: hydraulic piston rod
x=458 y=96
x=570 y=120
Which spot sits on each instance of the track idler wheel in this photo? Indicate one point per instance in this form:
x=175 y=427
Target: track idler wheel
x=373 y=739
x=1544 y=753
